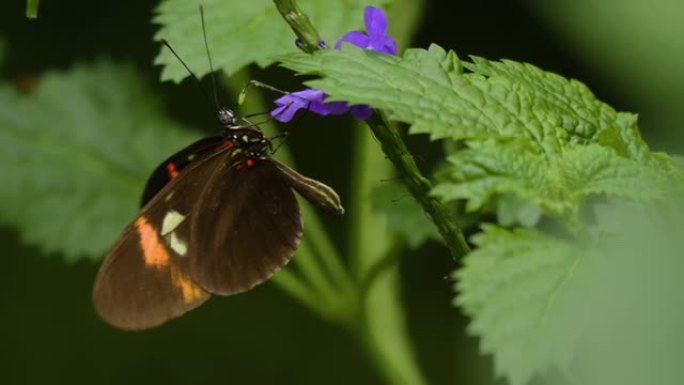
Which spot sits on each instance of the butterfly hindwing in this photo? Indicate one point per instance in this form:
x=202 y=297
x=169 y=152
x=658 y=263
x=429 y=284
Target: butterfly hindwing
x=145 y=279
x=144 y=283
x=247 y=226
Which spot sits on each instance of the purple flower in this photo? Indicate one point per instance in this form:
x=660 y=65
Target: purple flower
x=309 y=99
x=361 y=111
x=375 y=39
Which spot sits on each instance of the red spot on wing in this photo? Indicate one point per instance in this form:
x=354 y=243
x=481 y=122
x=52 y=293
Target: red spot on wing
x=249 y=162
x=171 y=169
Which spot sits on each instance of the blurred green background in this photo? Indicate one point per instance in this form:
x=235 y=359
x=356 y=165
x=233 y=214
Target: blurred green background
x=629 y=52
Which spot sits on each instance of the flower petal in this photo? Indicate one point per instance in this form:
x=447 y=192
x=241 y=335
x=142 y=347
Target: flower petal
x=318 y=108
x=382 y=44
x=289 y=104
x=336 y=108
x=284 y=113
x=375 y=21
x=389 y=46
x=308 y=95
x=361 y=111
x=356 y=38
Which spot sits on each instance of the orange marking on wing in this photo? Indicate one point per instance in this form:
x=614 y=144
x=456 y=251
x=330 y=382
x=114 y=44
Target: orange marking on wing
x=250 y=162
x=171 y=169
x=153 y=250
x=227 y=144
x=189 y=289
x=155 y=255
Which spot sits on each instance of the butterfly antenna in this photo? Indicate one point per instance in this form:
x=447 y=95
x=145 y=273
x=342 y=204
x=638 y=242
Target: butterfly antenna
x=282 y=136
x=211 y=64
x=258 y=84
x=173 y=51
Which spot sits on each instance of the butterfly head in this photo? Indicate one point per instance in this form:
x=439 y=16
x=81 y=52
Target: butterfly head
x=226 y=118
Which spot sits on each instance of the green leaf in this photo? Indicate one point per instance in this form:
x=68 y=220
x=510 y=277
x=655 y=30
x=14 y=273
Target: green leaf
x=430 y=90
x=416 y=89
x=539 y=301
x=243 y=32
x=513 y=210
x=529 y=133
x=518 y=288
x=559 y=185
x=636 y=334
x=76 y=154
x=605 y=309
x=678 y=160
x=604 y=37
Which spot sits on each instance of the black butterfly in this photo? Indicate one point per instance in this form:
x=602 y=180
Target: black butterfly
x=218 y=217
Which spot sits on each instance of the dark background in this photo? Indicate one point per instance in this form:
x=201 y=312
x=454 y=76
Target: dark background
x=48 y=330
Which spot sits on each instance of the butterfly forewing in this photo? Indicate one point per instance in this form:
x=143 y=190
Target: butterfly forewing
x=171 y=167
x=247 y=225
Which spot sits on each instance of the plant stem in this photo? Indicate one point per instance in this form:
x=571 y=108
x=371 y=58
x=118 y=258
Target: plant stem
x=419 y=186
x=293 y=285
x=32 y=9
x=308 y=37
x=384 y=332
x=379 y=321
x=380 y=324
x=392 y=144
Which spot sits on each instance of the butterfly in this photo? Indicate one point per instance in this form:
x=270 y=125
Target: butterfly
x=218 y=217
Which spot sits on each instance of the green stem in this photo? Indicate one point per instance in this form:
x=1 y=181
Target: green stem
x=368 y=237
x=384 y=333
x=311 y=269
x=308 y=36
x=297 y=289
x=32 y=9
x=379 y=319
x=328 y=254
x=380 y=324
x=418 y=185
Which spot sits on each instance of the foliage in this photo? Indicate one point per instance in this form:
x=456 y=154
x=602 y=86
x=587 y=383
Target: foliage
x=542 y=145
x=530 y=133
x=243 y=32
x=77 y=150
